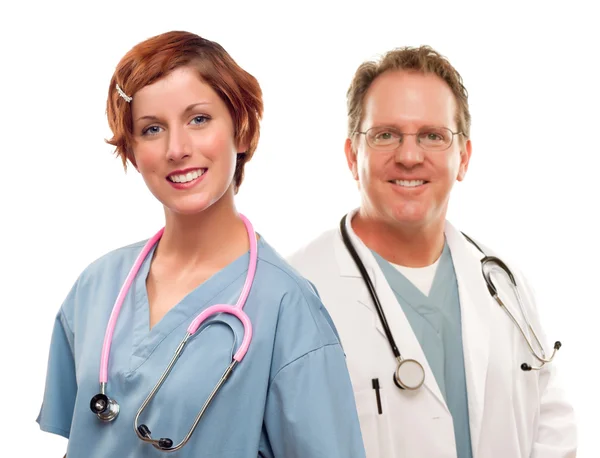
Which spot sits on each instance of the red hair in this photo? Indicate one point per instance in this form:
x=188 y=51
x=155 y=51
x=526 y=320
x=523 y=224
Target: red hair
x=155 y=58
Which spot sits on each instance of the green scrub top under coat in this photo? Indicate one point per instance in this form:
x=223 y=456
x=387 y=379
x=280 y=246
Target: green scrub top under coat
x=436 y=321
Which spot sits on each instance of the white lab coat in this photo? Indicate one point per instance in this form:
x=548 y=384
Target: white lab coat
x=512 y=414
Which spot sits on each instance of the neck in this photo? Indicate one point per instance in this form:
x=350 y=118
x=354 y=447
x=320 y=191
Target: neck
x=216 y=237
x=409 y=246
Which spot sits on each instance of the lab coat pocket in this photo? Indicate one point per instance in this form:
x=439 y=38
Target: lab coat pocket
x=374 y=426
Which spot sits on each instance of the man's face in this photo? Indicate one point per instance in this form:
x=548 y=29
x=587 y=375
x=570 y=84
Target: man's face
x=409 y=183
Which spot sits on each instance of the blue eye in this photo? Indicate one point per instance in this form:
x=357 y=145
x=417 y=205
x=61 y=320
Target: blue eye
x=200 y=119
x=151 y=130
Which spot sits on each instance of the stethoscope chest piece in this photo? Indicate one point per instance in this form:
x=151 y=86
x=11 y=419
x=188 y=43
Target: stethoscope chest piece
x=104 y=407
x=409 y=374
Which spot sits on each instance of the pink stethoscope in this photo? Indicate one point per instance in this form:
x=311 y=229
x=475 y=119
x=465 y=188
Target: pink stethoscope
x=107 y=409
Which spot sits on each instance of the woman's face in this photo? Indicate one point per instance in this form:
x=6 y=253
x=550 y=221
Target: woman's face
x=184 y=143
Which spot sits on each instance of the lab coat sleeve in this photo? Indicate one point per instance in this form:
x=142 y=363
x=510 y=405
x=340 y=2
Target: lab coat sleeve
x=61 y=386
x=557 y=431
x=310 y=411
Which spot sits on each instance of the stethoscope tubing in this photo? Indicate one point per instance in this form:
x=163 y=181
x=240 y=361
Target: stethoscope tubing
x=372 y=292
x=107 y=409
x=195 y=324
x=398 y=380
x=485 y=261
x=114 y=315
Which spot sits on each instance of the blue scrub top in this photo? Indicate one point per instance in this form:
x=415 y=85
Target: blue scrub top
x=290 y=397
x=436 y=321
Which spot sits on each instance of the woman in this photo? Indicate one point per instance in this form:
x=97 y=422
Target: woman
x=186 y=116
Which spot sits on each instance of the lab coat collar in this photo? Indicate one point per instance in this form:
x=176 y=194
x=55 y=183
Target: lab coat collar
x=475 y=304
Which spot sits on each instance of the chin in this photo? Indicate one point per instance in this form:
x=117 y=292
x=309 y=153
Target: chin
x=409 y=215
x=191 y=205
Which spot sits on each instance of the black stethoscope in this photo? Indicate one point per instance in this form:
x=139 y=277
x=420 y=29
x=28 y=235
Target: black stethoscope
x=409 y=373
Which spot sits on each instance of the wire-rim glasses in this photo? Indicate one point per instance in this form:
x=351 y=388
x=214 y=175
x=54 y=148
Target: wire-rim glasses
x=430 y=138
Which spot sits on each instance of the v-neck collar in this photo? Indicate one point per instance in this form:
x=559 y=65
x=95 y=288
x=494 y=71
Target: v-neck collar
x=145 y=340
x=406 y=289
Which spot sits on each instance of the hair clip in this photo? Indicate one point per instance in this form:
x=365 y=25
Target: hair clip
x=122 y=94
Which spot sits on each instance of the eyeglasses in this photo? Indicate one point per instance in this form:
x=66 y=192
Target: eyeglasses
x=429 y=138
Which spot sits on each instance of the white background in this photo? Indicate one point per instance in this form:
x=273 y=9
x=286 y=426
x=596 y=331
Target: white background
x=531 y=192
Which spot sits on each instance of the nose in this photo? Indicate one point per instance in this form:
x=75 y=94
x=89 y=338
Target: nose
x=409 y=153
x=178 y=146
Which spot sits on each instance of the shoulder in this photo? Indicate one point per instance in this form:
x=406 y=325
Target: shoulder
x=283 y=277
x=478 y=248
x=300 y=307
x=316 y=252
x=106 y=272
x=322 y=242
x=469 y=243
x=116 y=259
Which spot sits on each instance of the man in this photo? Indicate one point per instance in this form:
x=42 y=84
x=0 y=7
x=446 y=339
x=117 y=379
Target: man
x=468 y=385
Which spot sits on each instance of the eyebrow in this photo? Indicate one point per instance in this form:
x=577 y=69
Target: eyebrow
x=189 y=108
x=393 y=126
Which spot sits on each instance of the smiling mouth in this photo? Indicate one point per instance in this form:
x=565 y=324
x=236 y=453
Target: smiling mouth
x=186 y=177
x=409 y=183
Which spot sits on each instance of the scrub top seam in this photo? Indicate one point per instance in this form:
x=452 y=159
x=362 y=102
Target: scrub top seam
x=64 y=320
x=295 y=280
x=301 y=357
x=69 y=334
x=74 y=297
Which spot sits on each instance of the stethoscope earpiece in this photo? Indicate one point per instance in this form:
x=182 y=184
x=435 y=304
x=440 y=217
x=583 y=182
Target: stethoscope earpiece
x=527 y=367
x=164 y=443
x=144 y=431
x=105 y=408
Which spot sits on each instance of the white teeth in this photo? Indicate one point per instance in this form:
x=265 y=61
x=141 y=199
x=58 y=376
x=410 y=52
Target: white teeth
x=409 y=183
x=186 y=177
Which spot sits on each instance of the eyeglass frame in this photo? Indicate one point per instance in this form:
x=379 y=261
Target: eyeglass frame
x=402 y=135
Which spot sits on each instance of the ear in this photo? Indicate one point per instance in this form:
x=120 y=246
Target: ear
x=465 y=157
x=242 y=147
x=351 y=158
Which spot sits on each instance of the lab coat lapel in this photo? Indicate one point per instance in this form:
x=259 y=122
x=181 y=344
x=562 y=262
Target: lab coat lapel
x=406 y=340
x=475 y=305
